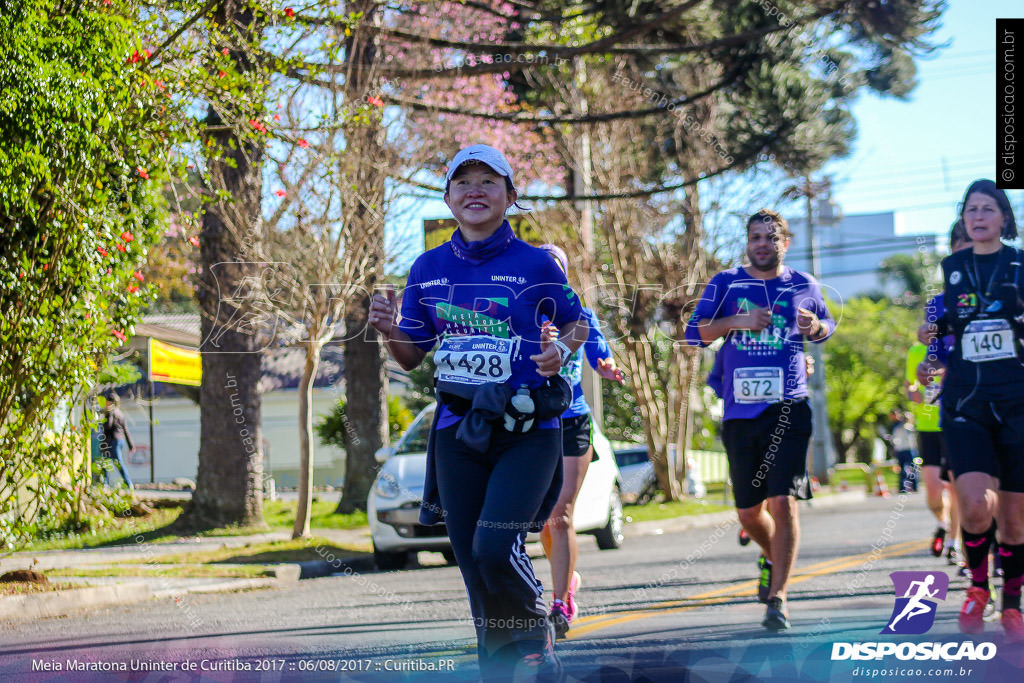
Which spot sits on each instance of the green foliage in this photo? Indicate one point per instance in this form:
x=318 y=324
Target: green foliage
x=865 y=362
x=915 y=274
x=421 y=384
x=119 y=373
x=81 y=144
x=622 y=420
x=331 y=428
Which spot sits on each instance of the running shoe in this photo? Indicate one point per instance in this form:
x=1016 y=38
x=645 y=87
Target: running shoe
x=764 y=579
x=991 y=613
x=543 y=665
x=1013 y=625
x=574 y=585
x=560 y=618
x=997 y=563
x=952 y=556
x=938 y=540
x=774 y=618
x=972 y=614
x=744 y=537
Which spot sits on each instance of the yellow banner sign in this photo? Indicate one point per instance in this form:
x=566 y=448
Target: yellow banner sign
x=174 y=364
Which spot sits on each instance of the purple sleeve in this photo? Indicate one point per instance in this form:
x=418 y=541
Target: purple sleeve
x=717 y=375
x=707 y=306
x=934 y=311
x=816 y=303
x=416 y=320
x=597 y=346
x=558 y=300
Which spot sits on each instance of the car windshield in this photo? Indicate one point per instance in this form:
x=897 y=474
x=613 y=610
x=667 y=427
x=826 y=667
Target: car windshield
x=415 y=438
x=630 y=457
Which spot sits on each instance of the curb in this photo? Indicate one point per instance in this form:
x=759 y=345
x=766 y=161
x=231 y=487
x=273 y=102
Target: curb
x=59 y=603
x=662 y=526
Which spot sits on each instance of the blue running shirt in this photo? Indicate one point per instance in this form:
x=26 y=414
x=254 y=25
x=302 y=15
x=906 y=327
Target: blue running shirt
x=506 y=298
x=596 y=347
x=749 y=359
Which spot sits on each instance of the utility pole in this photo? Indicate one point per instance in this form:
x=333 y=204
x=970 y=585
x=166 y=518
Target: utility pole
x=583 y=185
x=823 y=454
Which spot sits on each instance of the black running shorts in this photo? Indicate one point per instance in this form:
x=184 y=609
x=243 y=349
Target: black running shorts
x=931 y=446
x=986 y=437
x=768 y=453
x=576 y=436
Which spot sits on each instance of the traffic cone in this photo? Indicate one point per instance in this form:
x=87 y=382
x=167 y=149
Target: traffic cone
x=881 y=490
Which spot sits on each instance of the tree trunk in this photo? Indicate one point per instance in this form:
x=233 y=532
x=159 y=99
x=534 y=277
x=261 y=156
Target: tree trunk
x=366 y=407
x=229 y=482
x=304 y=508
x=365 y=378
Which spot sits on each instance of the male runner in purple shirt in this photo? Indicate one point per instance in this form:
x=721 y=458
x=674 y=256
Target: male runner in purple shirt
x=765 y=310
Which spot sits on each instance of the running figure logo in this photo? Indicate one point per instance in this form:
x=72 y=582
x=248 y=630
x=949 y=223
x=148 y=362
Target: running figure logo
x=916 y=595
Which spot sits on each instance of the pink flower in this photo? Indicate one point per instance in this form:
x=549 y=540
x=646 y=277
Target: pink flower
x=119 y=334
x=277 y=117
x=127 y=236
x=375 y=101
x=289 y=12
x=120 y=247
x=303 y=144
x=194 y=241
x=280 y=193
x=139 y=276
x=221 y=73
x=132 y=289
x=103 y=252
x=143 y=173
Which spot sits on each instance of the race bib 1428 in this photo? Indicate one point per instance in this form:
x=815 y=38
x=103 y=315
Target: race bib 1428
x=475 y=359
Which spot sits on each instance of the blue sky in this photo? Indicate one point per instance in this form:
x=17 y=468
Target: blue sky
x=918 y=156
x=913 y=156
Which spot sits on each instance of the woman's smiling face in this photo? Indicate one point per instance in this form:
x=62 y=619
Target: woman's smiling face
x=478 y=197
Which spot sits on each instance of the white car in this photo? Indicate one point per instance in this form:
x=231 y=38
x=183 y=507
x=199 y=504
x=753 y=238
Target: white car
x=393 y=506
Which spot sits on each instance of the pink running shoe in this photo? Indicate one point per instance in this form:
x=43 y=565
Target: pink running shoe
x=574 y=585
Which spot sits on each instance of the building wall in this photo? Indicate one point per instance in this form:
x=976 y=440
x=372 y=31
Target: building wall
x=851 y=251
x=176 y=434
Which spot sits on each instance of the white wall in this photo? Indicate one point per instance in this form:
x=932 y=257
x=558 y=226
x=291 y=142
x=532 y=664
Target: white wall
x=176 y=434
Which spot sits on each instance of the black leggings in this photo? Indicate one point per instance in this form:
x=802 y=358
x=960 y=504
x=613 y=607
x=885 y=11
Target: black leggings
x=491 y=499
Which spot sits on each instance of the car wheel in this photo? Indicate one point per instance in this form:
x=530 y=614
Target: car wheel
x=609 y=537
x=449 y=556
x=387 y=561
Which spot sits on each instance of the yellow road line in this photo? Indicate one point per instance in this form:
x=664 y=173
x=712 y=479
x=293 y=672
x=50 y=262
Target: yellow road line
x=587 y=625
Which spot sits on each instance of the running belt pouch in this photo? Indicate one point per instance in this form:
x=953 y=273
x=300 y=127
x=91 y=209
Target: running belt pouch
x=552 y=398
x=486 y=406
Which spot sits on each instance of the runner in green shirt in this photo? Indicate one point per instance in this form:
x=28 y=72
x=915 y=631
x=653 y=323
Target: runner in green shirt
x=935 y=463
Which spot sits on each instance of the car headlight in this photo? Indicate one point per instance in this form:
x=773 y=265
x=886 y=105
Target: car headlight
x=387 y=486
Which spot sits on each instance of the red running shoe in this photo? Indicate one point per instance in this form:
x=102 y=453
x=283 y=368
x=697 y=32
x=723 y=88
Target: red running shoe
x=938 y=541
x=973 y=611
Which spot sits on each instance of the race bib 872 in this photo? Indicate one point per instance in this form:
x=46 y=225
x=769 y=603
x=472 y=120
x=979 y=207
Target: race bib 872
x=475 y=360
x=757 y=385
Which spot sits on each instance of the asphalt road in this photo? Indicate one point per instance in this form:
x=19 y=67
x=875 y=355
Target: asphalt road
x=672 y=606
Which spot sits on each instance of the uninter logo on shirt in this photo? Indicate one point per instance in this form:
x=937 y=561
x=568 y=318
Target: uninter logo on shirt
x=441 y=282
x=511 y=279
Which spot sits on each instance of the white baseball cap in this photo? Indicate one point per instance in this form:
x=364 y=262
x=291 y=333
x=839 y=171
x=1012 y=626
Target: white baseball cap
x=485 y=154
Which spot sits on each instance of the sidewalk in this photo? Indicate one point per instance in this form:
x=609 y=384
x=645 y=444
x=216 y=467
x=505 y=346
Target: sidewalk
x=104 y=591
